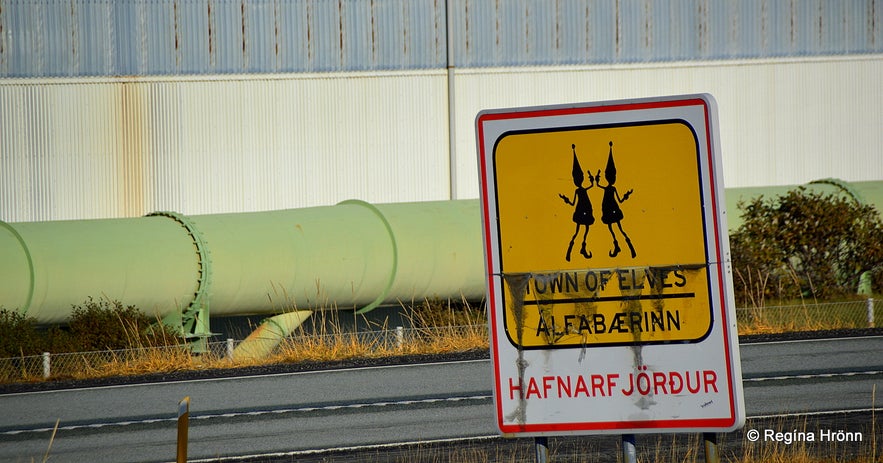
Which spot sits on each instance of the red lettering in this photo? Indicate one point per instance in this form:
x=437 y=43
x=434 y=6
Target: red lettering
x=643 y=386
x=513 y=388
x=659 y=383
x=692 y=388
x=710 y=378
x=675 y=387
x=631 y=388
x=597 y=385
x=532 y=389
x=547 y=385
x=611 y=382
x=564 y=386
x=581 y=386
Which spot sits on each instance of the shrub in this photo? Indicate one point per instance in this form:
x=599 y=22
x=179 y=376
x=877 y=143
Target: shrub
x=18 y=335
x=104 y=325
x=804 y=244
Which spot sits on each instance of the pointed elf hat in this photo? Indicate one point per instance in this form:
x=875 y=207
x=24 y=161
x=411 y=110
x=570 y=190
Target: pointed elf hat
x=610 y=169
x=577 y=170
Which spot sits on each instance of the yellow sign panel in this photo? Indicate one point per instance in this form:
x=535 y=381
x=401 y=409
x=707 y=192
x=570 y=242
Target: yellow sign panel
x=602 y=235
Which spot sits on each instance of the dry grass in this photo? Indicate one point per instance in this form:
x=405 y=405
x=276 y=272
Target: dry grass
x=435 y=326
x=434 y=329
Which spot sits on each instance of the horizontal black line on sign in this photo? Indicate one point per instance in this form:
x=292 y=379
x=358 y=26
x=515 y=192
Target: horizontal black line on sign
x=642 y=297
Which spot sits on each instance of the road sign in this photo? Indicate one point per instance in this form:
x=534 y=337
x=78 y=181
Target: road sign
x=609 y=282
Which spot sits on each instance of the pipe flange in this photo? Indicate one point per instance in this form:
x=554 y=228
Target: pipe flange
x=200 y=298
x=395 y=252
x=843 y=185
x=30 y=260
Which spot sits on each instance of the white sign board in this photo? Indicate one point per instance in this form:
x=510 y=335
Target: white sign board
x=609 y=280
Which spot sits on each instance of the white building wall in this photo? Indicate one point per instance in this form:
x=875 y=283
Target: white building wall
x=92 y=148
x=78 y=148
x=782 y=122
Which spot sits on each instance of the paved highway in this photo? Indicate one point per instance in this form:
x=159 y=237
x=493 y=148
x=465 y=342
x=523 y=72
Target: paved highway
x=369 y=406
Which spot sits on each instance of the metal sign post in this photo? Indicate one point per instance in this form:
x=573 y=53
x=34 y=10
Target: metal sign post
x=711 y=453
x=541 y=446
x=608 y=269
x=629 y=453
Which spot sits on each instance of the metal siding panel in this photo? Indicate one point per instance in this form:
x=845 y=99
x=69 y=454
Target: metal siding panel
x=259 y=26
x=23 y=44
x=387 y=34
x=875 y=25
x=685 y=20
x=227 y=30
x=408 y=34
x=512 y=35
x=719 y=18
x=326 y=36
x=631 y=28
x=480 y=35
x=293 y=54
x=13 y=155
x=806 y=27
x=604 y=30
x=186 y=33
x=164 y=171
x=278 y=143
x=781 y=31
x=543 y=44
x=127 y=46
x=94 y=38
x=168 y=37
x=57 y=20
x=427 y=31
x=749 y=28
x=843 y=26
x=570 y=34
x=4 y=45
x=775 y=115
x=357 y=37
x=218 y=145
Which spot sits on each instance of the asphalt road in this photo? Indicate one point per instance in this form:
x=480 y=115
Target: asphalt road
x=307 y=411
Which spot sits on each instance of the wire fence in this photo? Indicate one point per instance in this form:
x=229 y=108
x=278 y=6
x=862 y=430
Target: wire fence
x=806 y=317
x=866 y=313
x=77 y=365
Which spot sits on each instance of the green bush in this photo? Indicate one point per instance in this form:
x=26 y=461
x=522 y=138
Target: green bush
x=94 y=325
x=105 y=324
x=804 y=245
x=18 y=335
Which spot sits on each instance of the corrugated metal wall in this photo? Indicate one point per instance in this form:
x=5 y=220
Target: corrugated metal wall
x=174 y=37
x=232 y=105
x=107 y=148
x=783 y=122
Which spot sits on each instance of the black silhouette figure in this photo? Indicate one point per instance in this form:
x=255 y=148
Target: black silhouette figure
x=582 y=213
x=610 y=210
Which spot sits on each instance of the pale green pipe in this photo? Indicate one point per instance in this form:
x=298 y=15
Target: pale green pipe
x=350 y=256
x=262 y=341
x=148 y=260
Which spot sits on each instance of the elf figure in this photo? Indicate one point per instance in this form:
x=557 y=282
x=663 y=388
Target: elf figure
x=610 y=210
x=582 y=213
